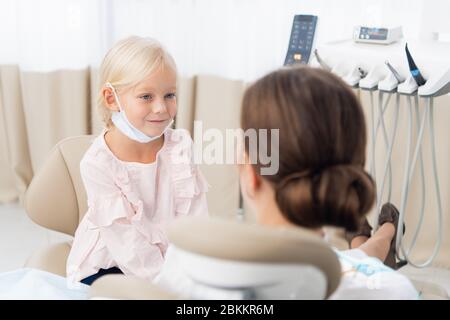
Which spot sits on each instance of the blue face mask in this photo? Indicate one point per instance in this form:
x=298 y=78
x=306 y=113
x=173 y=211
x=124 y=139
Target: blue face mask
x=121 y=122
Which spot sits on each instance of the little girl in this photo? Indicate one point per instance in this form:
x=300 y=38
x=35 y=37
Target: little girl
x=138 y=172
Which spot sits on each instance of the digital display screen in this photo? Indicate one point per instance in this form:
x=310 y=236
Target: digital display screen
x=377 y=32
x=373 y=33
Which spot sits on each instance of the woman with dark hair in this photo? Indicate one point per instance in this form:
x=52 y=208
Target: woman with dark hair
x=321 y=179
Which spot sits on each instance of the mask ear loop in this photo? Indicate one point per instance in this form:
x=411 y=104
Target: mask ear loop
x=109 y=85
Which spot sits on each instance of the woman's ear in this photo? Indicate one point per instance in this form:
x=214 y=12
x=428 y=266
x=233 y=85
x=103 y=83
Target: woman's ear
x=109 y=99
x=250 y=181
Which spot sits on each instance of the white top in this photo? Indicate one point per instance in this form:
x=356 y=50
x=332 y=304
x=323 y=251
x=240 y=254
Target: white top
x=367 y=278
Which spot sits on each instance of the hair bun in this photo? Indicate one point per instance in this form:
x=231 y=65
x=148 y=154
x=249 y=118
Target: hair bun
x=338 y=195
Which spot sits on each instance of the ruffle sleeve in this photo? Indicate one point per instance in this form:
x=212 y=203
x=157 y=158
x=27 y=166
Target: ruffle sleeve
x=189 y=184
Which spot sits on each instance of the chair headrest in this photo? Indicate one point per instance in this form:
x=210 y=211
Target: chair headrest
x=243 y=242
x=56 y=198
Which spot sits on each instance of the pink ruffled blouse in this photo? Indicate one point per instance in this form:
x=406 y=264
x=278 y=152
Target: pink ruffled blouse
x=130 y=204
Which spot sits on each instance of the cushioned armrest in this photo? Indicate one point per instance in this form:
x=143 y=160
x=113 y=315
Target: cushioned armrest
x=51 y=259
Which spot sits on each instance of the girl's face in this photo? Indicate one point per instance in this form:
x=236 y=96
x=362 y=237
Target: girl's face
x=151 y=104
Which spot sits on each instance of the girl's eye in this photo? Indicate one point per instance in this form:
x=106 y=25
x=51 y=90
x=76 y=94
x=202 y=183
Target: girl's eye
x=146 y=97
x=171 y=96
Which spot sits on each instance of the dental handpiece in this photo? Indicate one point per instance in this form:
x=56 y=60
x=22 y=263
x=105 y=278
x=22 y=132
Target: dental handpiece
x=414 y=69
x=362 y=73
x=397 y=75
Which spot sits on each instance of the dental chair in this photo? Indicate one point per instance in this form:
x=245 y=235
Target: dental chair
x=231 y=260
x=223 y=258
x=56 y=200
x=226 y=259
x=242 y=261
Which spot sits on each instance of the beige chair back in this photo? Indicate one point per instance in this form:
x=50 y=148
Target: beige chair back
x=237 y=241
x=56 y=198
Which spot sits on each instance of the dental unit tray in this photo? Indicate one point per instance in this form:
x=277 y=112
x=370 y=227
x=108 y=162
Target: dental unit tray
x=347 y=58
x=413 y=70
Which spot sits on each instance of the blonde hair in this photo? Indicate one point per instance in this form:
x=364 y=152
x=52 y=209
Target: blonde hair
x=127 y=63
